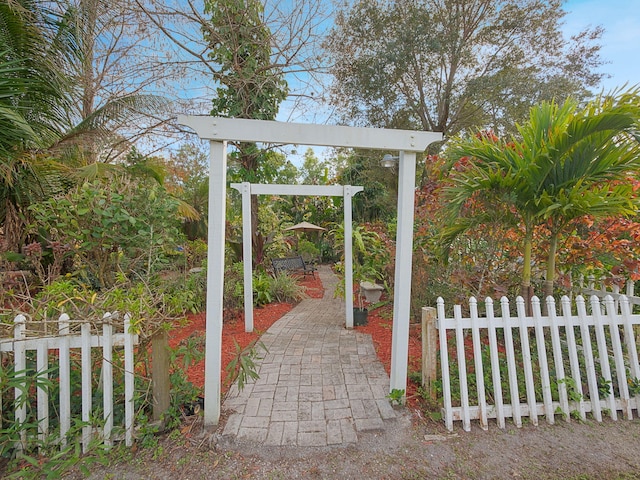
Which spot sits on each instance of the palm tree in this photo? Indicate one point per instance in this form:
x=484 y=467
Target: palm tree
x=33 y=99
x=566 y=162
x=43 y=139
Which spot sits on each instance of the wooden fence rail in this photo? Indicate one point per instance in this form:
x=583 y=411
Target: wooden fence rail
x=67 y=346
x=571 y=363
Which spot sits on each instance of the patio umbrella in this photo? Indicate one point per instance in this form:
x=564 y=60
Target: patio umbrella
x=305 y=227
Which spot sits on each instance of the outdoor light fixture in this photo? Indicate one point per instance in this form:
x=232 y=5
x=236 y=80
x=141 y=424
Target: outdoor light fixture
x=389 y=161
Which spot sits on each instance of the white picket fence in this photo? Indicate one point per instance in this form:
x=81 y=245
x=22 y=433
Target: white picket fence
x=548 y=360
x=603 y=286
x=68 y=346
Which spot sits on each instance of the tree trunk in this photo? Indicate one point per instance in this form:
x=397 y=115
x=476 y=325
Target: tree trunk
x=256 y=237
x=551 y=266
x=525 y=286
x=13 y=228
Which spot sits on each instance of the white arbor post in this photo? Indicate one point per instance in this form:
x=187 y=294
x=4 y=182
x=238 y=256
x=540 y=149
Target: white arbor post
x=348 y=256
x=247 y=256
x=402 y=282
x=215 y=280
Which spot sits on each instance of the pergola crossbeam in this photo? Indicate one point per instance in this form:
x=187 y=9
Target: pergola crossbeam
x=265 y=131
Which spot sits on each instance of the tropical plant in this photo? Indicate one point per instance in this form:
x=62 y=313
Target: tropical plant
x=33 y=100
x=47 y=127
x=370 y=258
x=285 y=288
x=567 y=162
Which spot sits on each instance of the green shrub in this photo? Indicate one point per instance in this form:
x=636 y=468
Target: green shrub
x=308 y=251
x=233 y=286
x=196 y=253
x=261 y=289
x=112 y=226
x=285 y=288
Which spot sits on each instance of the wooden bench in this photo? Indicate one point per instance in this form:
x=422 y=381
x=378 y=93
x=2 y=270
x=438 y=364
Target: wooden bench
x=292 y=264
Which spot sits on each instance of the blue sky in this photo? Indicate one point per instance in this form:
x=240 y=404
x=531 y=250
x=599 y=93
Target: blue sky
x=620 y=42
x=621 y=39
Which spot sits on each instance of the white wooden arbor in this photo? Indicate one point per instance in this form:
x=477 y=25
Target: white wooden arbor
x=220 y=130
x=248 y=189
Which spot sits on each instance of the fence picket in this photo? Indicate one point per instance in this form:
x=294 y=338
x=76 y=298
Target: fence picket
x=573 y=356
x=85 y=352
x=42 y=365
x=107 y=377
x=511 y=362
x=543 y=361
x=632 y=352
x=612 y=309
x=557 y=357
x=603 y=355
x=65 y=378
x=612 y=317
x=20 y=369
x=526 y=361
x=495 y=363
x=592 y=381
x=479 y=368
x=444 y=362
x=462 y=368
x=128 y=381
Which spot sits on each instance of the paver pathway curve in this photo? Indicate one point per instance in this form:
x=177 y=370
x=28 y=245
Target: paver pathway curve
x=320 y=384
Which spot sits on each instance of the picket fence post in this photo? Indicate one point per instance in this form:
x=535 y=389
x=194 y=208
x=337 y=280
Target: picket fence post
x=129 y=381
x=42 y=365
x=85 y=352
x=477 y=358
x=107 y=377
x=444 y=363
x=65 y=378
x=429 y=350
x=20 y=367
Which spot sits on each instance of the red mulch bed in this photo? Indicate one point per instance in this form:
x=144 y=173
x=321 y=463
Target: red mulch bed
x=233 y=328
x=379 y=327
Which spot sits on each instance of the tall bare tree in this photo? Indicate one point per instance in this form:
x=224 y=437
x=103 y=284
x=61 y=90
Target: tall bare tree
x=295 y=33
x=120 y=79
x=257 y=54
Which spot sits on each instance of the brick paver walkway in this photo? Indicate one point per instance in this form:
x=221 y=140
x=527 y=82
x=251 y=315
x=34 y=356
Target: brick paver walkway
x=320 y=384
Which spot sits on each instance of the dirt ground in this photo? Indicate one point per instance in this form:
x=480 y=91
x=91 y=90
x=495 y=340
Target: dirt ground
x=416 y=449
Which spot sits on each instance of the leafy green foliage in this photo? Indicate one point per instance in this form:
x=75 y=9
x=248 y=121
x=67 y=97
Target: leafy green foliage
x=396 y=396
x=371 y=256
x=307 y=250
x=634 y=386
x=285 y=288
x=568 y=162
x=261 y=289
x=605 y=387
x=242 y=367
x=116 y=226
